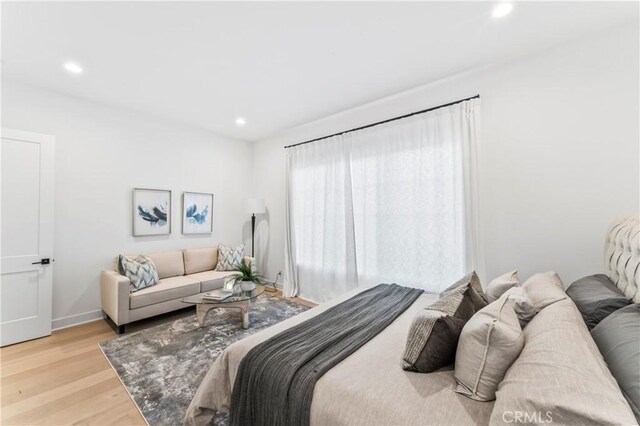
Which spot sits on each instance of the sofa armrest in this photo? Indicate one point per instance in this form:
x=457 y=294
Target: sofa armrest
x=251 y=261
x=114 y=291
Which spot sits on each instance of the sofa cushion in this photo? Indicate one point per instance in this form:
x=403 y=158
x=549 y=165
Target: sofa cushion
x=200 y=259
x=560 y=376
x=596 y=297
x=210 y=280
x=168 y=263
x=166 y=289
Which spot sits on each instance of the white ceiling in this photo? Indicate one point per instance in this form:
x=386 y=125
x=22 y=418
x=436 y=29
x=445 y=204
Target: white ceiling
x=278 y=64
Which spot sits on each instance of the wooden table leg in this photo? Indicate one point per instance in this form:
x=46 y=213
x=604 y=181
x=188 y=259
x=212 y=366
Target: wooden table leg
x=202 y=309
x=244 y=308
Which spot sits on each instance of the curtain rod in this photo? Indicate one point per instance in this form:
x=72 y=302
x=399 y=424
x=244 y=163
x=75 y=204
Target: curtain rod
x=385 y=121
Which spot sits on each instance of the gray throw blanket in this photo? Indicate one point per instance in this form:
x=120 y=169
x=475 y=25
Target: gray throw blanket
x=275 y=381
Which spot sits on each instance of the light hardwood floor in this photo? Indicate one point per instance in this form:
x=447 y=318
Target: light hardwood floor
x=64 y=379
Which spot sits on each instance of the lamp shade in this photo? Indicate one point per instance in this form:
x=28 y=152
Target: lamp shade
x=255 y=206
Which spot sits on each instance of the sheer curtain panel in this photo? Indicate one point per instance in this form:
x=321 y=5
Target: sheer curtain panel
x=395 y=202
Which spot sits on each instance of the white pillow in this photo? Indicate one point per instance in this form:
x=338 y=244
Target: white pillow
x=498 y=286
x=544 y=289
x=141 y=271
x=229 y=258
x=489 y=343
x=522 y=305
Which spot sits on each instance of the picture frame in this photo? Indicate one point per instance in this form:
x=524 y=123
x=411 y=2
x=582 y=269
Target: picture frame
x=197 y=213
x=151 y=212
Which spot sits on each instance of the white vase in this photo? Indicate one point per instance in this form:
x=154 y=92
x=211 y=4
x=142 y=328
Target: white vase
x=248 y=286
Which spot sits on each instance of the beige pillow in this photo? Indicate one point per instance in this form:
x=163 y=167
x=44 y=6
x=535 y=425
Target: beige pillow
x=544 y=289
x=522 y=305
x=498 y=286
x=489 y=343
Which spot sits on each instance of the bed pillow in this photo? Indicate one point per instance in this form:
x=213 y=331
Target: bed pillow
x=522 y=305
x=229 y=258
x=471 y=281
x=618 y=338
x=141 y=271
x=560 y=376
x=434 y=332
x=544 y=289
x=596 y=298
x=498 y=286
x=489 y=343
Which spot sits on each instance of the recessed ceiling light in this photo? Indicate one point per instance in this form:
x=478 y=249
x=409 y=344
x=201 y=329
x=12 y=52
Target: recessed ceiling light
x=241 y=121
x=72 y=67
x=503 y=9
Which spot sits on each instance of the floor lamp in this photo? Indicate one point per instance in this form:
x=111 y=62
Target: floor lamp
x=254 y=206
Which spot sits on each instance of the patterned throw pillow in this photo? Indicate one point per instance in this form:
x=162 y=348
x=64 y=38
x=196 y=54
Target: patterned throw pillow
x=141 y=271
x=470 y=283
x=434 y=332
x=229 y=258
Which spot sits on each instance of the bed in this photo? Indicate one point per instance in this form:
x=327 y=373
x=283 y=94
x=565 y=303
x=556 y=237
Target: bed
x=560 y=375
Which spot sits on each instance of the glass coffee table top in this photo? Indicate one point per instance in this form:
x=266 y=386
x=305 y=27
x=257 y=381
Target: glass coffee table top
x=239 y=297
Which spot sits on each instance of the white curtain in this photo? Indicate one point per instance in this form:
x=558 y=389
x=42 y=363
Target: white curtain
x=395 y=202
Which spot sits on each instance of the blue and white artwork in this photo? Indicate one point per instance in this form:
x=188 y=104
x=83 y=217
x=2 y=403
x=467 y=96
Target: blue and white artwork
x=151 y=212
x=197 y=213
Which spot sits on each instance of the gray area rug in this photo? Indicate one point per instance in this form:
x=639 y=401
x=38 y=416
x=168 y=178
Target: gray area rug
x=162 y=366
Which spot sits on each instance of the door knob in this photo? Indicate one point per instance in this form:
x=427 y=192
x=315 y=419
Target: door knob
x=44 y=261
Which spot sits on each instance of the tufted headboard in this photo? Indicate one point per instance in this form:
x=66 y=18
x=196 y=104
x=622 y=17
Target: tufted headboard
x=622 y=255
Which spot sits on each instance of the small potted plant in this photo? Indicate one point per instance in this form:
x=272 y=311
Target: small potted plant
x=246 y=277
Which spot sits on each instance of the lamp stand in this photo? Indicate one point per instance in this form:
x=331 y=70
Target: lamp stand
x=253 y=230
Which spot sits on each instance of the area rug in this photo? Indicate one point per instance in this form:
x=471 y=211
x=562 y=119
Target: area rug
x=162 y=366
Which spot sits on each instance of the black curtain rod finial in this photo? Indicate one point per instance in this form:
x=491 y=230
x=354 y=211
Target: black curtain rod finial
x=384 y=121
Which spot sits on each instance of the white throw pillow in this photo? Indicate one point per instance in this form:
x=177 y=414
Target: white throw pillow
x=498 y=286
x=522 y=305
x=544 y=289
x=229 y=258
x=141 y=271
x=489 y=343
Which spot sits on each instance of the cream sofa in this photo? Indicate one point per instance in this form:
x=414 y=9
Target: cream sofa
x=182 y=273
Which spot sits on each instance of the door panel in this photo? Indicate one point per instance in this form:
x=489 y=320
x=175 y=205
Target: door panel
x=27 y=161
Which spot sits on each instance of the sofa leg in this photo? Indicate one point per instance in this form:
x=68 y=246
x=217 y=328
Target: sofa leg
x=121 y=329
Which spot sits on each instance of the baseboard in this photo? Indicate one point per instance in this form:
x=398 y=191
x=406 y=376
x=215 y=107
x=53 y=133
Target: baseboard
x=76 y=319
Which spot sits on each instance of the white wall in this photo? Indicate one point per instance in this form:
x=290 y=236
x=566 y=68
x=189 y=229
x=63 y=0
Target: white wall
x=101 y=154
x=559 y=154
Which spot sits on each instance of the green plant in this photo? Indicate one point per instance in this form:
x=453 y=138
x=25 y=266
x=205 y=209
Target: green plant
x=245 y=273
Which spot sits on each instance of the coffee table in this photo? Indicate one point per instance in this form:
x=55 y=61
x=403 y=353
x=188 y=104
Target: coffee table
x=237 y=301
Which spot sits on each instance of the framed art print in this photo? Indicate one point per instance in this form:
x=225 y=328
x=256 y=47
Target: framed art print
x=197 y=213
x=151 y=212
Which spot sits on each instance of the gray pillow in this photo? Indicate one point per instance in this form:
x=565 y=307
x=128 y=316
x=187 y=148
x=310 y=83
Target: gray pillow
x=596 y=298
x=141 y=271
x=498 y=286
x=489 y=343
x=618 y=338
x=433 y=335
x=472 y=281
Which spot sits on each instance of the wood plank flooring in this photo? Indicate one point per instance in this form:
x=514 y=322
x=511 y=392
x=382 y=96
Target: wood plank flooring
x=64 y=379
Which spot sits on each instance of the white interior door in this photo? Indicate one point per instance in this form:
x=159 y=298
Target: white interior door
x=27 y=161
